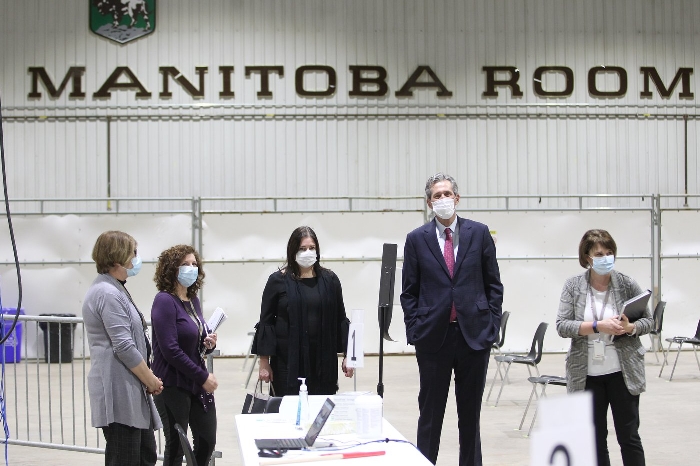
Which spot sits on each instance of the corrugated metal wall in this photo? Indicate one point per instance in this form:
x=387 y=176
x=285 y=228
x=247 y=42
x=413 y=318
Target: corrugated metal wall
x=290 y=145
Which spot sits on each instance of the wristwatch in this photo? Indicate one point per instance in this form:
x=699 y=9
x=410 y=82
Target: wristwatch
x=595 y=326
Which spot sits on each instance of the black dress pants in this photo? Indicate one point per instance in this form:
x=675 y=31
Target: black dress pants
x=178 y=406
x=470 y=377
x=129 y=446
x=610 y=389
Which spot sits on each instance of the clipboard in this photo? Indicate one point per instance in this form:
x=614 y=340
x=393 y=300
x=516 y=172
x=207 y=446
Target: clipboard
x=634 y=308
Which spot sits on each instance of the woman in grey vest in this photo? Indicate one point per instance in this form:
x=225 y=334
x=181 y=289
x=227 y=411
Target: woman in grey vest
x=120 y=381
x=612 y=369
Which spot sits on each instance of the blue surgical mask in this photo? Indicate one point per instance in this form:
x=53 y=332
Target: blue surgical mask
x=187 y=275
x=603 y=265
x=136 y=263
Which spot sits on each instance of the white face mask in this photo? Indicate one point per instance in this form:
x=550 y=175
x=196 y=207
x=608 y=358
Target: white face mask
x=444 y=208
x=307 y=258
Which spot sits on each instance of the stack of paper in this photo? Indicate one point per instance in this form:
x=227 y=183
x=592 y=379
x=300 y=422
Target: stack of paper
x=216 y=319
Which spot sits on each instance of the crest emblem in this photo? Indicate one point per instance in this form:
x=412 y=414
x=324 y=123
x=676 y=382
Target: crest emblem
x=122 y=20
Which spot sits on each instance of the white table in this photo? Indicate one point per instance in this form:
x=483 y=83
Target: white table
x=252 y=426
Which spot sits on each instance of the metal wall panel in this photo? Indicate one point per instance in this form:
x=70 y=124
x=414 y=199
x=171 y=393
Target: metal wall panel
x=290 y=145
x=393 y=157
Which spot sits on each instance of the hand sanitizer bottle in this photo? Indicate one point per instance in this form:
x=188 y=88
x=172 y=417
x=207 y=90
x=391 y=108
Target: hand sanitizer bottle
x=303 y=406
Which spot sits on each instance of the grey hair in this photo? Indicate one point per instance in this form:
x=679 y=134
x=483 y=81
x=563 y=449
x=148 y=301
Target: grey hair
x=436 y=178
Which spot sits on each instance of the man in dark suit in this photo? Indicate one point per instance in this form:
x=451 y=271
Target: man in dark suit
x=451 y=299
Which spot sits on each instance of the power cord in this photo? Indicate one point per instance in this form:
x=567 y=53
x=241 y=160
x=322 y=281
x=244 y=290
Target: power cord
x=12 y=231
x=341 y=447
x=6 y=335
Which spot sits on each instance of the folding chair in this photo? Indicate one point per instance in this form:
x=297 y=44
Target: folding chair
x=532 y=359
x=499 y=344
x=250 y=350
x=186 y=448
x=250 y=372
x=544 y=381
x=695 y=341
x=273 y=404
x=255 y=359
x=655 y=334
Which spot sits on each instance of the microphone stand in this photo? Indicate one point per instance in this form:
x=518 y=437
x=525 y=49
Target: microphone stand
x=382 y=316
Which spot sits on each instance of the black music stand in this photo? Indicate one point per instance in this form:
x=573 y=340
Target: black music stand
x=386 y=304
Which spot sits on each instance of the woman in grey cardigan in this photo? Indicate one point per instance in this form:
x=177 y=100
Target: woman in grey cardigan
x=589 y=314
x=120 y=381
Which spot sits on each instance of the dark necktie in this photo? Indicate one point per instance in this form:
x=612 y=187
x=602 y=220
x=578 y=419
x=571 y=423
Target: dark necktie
x=449 y=254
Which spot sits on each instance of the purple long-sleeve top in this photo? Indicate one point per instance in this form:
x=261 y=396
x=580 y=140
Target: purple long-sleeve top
x=176 y=344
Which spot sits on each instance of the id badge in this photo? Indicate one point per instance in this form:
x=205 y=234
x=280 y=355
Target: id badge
x=598 y=350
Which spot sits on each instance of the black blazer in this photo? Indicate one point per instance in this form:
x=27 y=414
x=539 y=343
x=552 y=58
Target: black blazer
x=428 y=291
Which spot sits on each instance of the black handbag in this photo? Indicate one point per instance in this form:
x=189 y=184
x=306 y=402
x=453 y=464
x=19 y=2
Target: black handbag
x=256 y=401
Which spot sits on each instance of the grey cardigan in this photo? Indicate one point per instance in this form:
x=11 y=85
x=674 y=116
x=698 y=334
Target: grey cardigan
x=629 y=349
x=117 y=343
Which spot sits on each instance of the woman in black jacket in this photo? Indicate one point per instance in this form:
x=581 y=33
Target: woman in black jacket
x=302 y=325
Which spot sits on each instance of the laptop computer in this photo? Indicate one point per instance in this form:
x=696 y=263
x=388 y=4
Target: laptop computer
x=300 y=443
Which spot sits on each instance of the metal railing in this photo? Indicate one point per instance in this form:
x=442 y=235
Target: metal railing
x=46 y=396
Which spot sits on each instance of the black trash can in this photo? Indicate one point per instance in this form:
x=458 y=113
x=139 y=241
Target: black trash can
x=59 y=347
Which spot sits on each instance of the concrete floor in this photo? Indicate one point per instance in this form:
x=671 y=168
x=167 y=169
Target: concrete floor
x=669 y=414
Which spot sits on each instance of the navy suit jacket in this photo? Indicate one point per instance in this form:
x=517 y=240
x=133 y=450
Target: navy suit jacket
x=428 y=291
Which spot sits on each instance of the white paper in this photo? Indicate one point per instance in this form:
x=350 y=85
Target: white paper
x=218 y=318
x=356 y=339
x=566 y=433
x=560 y=411
x=345 y=405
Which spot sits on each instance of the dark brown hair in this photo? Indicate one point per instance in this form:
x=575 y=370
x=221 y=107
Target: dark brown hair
x=293 y=247
x=112 y=248
x=169 y=266
x=589 y=240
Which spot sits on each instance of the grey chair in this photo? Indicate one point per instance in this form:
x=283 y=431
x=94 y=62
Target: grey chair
x=499 y=344
x=273 y=404
x=655 y=334
x=255 y=358
x=544 y=380
x=694 y=341
x=250 y=350
x=532 y=359
x=504 y=322
x=186 y=448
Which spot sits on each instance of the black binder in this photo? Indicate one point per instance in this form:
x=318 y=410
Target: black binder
x=634 y=308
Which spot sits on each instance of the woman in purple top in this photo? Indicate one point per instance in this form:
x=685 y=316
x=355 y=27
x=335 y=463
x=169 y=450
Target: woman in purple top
x=180 y=341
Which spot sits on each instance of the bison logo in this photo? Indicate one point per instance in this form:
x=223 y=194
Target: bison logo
x=122 y=20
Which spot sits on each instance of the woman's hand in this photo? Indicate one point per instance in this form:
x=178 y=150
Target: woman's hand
x=211 y=384
x=157 y=388
x=611 y=326
x=265 y=371
x=210 y=341
x=349 y=371
x=628 y=327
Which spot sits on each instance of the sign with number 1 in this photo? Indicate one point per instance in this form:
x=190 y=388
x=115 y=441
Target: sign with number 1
x=356 y=339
